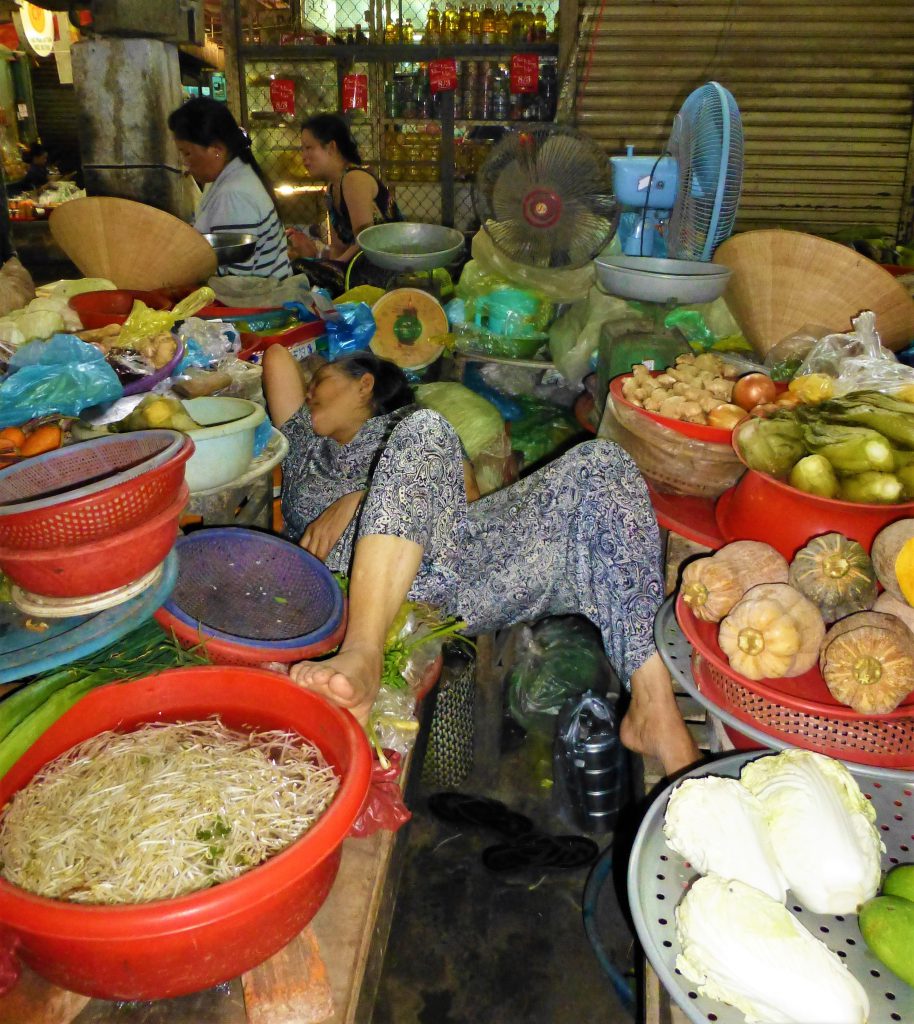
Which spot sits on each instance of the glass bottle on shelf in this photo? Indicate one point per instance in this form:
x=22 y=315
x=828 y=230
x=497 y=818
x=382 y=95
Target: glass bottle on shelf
x=360 y=37
x=516 y=22
x=465 y=23
x=488 y=23
x=555 y=28
x=450 y=25
x=540 y=25
x=502 y=26
x=408 y=31
x=433 y=25
x=529 y=20
x=390 y=33
x=475 y=24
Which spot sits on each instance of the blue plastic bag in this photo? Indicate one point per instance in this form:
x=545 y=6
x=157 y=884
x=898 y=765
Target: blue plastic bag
x=351 y=331
x=61 y=376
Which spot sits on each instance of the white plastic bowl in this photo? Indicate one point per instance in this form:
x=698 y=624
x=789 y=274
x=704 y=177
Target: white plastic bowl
x=224 y=442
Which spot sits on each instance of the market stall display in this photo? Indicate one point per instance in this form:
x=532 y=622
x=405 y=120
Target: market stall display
x=659 y=877
x=171 y=947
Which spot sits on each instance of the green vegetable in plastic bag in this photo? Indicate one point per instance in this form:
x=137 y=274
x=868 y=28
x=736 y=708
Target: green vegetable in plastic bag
x=815 y=475
x=558 y=658
x=542 y=430
x=478 y=423
x=772 y=446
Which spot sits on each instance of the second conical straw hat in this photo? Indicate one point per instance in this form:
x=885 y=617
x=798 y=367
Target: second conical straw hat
x=135 y=246
x=783 y=281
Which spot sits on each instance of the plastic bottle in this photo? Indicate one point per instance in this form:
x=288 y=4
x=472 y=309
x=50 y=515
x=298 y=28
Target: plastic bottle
x=502 y=26
x=540 y=25
x=529 y=19
x=475 y=23
x=488 y=23
x=465 y=26
x=433 y=25
x=516 y=22
x=450 y=26
x=589 y=764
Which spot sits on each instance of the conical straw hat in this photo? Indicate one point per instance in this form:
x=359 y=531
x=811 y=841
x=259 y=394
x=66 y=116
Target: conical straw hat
x=134 y=245
x=785 y=280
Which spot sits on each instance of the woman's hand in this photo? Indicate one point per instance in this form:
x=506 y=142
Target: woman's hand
x=321 y=535
x=301 y=244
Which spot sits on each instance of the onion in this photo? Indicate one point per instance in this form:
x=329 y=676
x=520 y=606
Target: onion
x=752 y=390
x=726 y=416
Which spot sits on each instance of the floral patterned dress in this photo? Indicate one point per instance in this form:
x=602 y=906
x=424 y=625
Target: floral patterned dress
x=578 y=536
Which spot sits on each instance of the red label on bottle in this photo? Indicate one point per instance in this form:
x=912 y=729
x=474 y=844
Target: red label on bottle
x=525 y=73
x=355 y=92
x=282 y=95
x=442 y=74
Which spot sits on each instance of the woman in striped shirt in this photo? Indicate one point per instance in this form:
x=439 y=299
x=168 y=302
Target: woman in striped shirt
x=237 y=196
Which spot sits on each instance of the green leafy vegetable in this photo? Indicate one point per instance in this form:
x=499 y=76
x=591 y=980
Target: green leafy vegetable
x=772 y=446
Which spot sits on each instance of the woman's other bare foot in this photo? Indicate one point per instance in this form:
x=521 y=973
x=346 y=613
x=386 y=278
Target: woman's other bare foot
x=653 y=726
x=350 y=679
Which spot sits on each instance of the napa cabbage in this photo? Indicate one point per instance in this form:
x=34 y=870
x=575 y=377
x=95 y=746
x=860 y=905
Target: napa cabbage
x=748 y=950
x=718 y=826
x=821 y=826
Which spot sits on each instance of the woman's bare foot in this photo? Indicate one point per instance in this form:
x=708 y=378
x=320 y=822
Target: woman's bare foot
x=653 y=726
x=351 y=679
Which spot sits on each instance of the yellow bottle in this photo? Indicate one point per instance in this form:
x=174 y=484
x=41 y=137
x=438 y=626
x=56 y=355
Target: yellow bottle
x=433 y=25
x=540 y=25
x=390 y=33
x=465 y=24
x=488 y=23
x=502 y=25
x=450 y=27
x=475 y=24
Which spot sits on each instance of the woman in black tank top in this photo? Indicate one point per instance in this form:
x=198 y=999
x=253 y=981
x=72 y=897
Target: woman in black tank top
x=356 y=199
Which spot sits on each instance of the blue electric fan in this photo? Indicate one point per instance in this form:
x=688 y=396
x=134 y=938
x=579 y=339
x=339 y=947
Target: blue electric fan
x=682 y=204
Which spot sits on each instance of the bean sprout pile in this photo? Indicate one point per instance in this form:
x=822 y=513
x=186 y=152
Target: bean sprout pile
x=161 y=812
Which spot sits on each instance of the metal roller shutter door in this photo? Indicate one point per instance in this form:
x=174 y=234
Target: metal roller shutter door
x=824 y=88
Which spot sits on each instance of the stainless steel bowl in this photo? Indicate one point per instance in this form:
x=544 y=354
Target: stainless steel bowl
x=657 y=280
x=402 y=245
x=231 y=246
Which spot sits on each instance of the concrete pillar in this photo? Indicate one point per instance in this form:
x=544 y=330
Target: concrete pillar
x=125 y=90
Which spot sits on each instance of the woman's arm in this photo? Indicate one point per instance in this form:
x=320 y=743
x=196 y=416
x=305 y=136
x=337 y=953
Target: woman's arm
x=360 y=191
x=321 y=535
x=283 y=385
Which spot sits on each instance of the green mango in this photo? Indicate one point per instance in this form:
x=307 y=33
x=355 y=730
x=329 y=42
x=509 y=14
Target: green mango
x=900 y=882
x=887 y=926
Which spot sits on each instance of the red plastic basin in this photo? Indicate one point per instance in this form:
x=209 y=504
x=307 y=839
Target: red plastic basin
x=99 y=309
x=173 y=947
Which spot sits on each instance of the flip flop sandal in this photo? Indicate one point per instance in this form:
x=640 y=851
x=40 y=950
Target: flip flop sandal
x=466 y=809
x=548 y=853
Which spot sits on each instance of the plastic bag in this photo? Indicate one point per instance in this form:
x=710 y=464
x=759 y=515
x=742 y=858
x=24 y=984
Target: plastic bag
x=541 y=430
x=858 y=361
x=562 y=285
x=384 y=807
x=260 y=292
x=786 y=357
x=63 y=389
x=556 y=659
x=144 y=322
x=213 y=340
x=671 y=461
x=351 y=331
x=575 y=336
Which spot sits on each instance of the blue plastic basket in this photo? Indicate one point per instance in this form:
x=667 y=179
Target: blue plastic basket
x=254 y=589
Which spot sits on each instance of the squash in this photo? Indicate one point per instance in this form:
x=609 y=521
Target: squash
x=892 y=606
x=893 y=559
x=712 y=585
x=867 y=662
x=772 y=632
x=836 y=574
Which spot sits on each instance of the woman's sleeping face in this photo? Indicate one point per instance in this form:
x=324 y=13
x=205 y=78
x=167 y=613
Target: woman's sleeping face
x=203 y=163
x=339 y=404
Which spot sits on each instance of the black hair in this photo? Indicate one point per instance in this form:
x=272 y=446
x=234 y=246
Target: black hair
x=391 y=389
x=36 y=149
x=205 y=122
x=327 y=128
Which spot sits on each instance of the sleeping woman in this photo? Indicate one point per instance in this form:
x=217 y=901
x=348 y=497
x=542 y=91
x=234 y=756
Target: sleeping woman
x=577 y=537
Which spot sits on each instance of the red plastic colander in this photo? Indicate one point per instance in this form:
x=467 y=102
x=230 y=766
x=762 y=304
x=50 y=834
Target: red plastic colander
x=801 y=711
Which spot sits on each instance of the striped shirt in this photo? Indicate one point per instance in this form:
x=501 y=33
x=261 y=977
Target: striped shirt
x=237 y=201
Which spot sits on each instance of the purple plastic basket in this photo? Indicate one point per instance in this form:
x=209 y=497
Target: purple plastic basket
x=138 y=387
x=254 y=589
